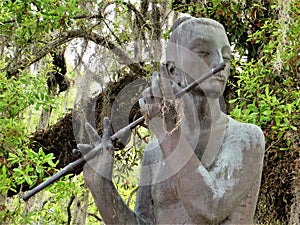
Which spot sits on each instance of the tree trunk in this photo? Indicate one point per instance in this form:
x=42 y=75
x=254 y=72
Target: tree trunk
x=80 y=209
x=44 y=119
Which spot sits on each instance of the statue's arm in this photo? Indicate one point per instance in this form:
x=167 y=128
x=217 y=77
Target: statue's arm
x=211 y=195
x=144 y=203
x=98 y=178
x=111 y=205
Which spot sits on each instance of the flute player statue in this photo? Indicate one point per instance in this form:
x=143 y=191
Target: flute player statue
x=204 y=167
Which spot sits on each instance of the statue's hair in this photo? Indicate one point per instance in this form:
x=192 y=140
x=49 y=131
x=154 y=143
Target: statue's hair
x=179 y=21
x=184 y=22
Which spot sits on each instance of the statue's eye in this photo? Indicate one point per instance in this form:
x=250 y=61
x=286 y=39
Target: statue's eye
x=226 y=53
x=226 y=58
x=203 y=54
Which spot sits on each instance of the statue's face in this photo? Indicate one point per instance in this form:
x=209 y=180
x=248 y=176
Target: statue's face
x=212 y=46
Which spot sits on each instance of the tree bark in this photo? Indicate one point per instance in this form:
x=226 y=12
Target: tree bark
x=80 y=209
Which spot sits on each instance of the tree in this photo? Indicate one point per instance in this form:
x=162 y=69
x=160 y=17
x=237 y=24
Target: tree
x=104 y=42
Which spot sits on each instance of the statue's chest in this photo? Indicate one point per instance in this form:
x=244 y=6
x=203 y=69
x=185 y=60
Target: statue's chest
x=163 y=190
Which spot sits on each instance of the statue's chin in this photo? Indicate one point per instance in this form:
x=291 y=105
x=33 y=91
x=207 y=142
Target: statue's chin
x=211 y=93
x=214 y=94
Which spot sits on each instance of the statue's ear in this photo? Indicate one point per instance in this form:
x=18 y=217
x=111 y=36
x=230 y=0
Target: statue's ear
x=174 y=74
x=170 y=65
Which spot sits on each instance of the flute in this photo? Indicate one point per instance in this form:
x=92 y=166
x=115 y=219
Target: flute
x=81 y=161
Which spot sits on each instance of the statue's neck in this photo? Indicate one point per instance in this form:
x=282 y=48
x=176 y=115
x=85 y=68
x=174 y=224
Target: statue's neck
x=212 y=123
x=209 y=111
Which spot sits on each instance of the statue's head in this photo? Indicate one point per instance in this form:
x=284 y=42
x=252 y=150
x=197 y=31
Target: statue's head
x=196 y=40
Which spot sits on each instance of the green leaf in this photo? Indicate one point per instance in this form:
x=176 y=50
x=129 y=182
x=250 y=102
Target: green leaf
x=28 y=180
x=4 y=170
x=232 y=101
x=293 y=128
x=277 y=120
x=280 y=134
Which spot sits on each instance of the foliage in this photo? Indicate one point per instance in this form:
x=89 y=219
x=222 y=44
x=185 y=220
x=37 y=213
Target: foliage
x=27 y=22
x=48 y=203
x=267 y=94
x=17 y=95
x=20 y=166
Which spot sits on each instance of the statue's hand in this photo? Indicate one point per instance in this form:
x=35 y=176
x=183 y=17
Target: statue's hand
x=163 y=112
x=102 y=164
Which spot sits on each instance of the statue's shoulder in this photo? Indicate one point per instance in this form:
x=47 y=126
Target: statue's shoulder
x=245 y=132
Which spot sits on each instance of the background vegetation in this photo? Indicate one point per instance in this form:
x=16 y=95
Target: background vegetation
x=61 y=58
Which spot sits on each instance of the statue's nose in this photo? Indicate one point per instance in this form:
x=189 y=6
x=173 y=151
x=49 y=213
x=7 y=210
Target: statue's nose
x=218 y=59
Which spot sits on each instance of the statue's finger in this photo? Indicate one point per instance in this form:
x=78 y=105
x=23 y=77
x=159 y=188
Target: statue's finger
x=155 y=85
x=142 y=104
x=176 y=88
x=93 y=134
x=166 y=84
x=106 y=139
x=76 y=152
x=148 y=95
x=107 y=129
x=84 y=148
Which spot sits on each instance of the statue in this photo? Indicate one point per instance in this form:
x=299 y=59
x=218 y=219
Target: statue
x=204 y=167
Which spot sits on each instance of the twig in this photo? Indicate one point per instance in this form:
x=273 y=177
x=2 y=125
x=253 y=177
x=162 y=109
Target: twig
x=131 y=195
x=69 y=209
x=95 y=216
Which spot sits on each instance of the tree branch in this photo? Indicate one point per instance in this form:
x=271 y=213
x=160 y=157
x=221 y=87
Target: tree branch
x=67 y=36
x=83 y=16
x=69 y=209
x=95 y=216
x=138 y=14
